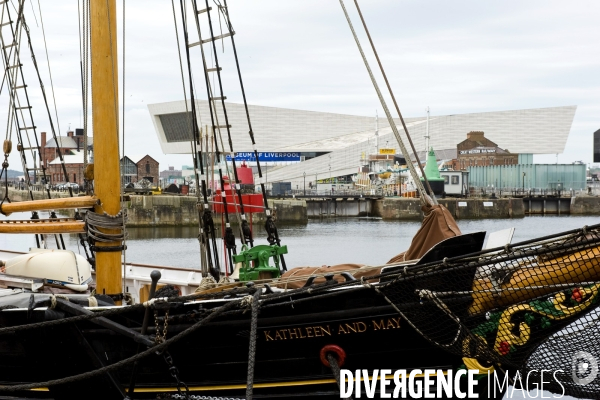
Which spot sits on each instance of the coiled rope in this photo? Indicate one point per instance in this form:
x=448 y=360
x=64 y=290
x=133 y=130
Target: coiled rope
x=115 y=223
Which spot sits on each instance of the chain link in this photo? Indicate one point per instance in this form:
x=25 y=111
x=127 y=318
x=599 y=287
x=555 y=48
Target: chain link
x=198 y=397
x=158 y=338
x=175 y=374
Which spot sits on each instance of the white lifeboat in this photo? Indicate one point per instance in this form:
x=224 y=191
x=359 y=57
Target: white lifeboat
x=56 y=267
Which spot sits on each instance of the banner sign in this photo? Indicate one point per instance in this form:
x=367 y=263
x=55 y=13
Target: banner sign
x=387 y=151
x=266 y=156
x=477 y=151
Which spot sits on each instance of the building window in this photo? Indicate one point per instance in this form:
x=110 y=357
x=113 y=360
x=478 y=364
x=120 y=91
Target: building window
x=446 y=179
x=74 y=177
x=147 y=167
x=455 y=180
x=491 y=160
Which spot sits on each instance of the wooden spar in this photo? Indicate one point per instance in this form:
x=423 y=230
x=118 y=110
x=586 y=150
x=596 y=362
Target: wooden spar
x=532 y=281
x=43 y=226
x=107 y=183
x=48 y=204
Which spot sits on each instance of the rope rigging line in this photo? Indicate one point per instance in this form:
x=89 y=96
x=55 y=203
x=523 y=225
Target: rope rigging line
x=228 y=236
x=208 y=228
x=121 y=180
x=216 y=131
x=425 y=198
x=245 y=231
x=50 y=119
x=241 y=215
x=195 y=153
x=271 y=229
x=396 y=106
x=13 y=72
x=12 y=63
x=49 y=70
x=86 y=71
x=83 y=24
x=255 y=304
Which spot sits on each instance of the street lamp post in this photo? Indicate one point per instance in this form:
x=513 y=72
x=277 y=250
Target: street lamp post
x=34 y=168
x=316 y=184
x=304 y=183
x=330 y=183
x=524 y=181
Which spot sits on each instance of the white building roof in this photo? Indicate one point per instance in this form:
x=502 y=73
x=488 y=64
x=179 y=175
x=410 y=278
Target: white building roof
x=536 y=131
x=76 y=158
x=63 y=141
x=348 y=137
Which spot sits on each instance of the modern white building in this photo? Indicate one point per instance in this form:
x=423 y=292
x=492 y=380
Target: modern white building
x=332 y=145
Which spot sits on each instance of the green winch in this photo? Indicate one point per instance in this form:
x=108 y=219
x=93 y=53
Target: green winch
x=255 y=262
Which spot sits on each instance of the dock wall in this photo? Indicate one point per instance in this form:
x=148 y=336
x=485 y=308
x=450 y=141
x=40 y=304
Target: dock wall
x=181 y=211
x=344 y=207
x=165 y=210
x=410 y=209
x=585 y=205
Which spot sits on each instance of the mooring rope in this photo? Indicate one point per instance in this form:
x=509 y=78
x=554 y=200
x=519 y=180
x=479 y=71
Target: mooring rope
x=335 y=368
x=252 y=344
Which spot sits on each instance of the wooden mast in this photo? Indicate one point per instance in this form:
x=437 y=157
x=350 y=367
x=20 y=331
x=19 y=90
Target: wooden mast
x=103 y=20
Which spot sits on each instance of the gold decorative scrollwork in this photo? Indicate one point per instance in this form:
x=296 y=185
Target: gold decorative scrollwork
x=505 y=337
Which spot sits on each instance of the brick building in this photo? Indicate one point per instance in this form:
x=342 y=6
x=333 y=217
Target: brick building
x=136 y=168
x=71 y=148
x=73 y=141
x=477 y=150
x=73 y=165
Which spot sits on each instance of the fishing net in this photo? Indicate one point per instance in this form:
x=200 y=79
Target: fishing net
x=529 y=307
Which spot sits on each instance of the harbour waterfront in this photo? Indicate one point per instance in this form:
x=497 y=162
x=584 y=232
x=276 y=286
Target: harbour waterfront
x=331 y=241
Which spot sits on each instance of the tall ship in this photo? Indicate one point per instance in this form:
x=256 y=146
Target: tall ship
x=256 y=327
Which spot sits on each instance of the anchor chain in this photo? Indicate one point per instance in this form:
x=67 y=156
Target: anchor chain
x=158 y=337
x=175 y=374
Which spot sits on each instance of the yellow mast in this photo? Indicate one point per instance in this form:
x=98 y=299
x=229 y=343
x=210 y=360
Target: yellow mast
x=103 y=20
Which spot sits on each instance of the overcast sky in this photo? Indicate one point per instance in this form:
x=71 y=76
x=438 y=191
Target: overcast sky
x=453 y=56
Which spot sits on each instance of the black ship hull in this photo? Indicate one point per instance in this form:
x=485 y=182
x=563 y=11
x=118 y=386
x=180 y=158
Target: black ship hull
x=214 y=359
x=291 y=335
